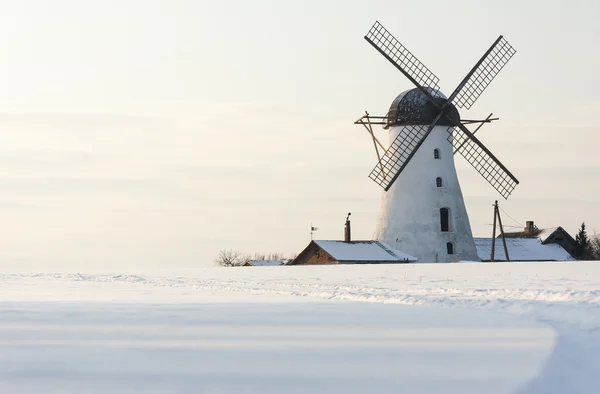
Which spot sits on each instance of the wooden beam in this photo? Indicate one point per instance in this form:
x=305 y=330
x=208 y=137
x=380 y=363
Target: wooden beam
x=494 y=233
x=502 y=233
x=487 y=120
x=369 y=128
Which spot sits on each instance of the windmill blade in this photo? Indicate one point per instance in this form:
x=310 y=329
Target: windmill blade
x=398 y=155
x=402 y=149
x=482 y=160
x=487 y=120
x=484 y=72
x=401 y=58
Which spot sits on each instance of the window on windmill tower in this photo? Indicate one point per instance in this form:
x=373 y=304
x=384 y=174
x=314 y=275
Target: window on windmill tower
x=445 y=219
x=450 y=248
x=436 y=153
x=438 y=181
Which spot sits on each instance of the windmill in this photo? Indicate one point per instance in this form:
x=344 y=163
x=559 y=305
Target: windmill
x=423 y=211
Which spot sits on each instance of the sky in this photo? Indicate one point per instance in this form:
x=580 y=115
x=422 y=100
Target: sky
x=147 y=133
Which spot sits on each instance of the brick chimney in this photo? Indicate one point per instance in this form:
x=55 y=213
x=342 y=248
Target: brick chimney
x=347 y=235
x=529 y=227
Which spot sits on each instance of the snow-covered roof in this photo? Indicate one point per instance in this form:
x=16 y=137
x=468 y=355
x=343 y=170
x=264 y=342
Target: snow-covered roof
x=266 y=263
x=363 y=251
x=543 y=234
x=521 y=249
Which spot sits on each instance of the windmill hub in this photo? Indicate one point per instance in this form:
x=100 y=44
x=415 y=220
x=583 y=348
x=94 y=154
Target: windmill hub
x=412 y=107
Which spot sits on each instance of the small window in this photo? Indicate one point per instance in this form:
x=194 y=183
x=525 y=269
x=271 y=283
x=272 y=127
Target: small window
x=436 y=153
x=450 y=248
x=438 y=181
x=445 y=219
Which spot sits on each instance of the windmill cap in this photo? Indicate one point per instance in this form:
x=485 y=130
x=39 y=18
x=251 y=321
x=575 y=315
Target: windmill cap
x=414 y=108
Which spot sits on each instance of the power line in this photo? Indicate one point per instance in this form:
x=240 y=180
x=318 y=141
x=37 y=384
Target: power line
x=490 y=224
x=510 y=217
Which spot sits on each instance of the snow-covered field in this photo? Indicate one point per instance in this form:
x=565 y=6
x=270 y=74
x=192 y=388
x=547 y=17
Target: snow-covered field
x=417 y=328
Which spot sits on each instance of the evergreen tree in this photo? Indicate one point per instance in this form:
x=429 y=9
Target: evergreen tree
x=583 y=243
x=595 y=247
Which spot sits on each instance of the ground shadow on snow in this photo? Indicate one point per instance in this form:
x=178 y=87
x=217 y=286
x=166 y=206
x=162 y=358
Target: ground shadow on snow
x=572 y=368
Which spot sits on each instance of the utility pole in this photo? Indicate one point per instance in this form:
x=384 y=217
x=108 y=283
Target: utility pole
x=497 y=215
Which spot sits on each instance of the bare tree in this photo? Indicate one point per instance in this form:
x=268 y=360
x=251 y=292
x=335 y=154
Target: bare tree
x=231 y=258
x=594 y=246
x=272 y=256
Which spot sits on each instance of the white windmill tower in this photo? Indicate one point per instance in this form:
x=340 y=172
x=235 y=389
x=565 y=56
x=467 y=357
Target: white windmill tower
x=423 y=212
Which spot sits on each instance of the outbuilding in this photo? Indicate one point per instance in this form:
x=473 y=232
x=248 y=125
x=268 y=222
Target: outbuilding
x=531 y=244
x=350 y=252
x=265 y=263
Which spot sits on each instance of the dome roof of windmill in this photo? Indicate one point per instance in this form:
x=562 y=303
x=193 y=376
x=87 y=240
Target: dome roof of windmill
x=413 y=107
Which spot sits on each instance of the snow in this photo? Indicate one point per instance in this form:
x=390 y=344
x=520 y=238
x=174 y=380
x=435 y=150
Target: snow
x=363 y=251
x=526 y=328
x=521 y=249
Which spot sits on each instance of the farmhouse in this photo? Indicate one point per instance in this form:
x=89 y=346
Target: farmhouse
x=553 y=235
x=350 y=252
x=531 y=244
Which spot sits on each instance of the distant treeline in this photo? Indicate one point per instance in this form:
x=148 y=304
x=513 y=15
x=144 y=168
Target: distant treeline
x=232 y=258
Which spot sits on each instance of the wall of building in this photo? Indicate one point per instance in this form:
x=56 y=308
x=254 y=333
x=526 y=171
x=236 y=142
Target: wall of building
x=314 y=255
x=564 y=239
x=409 y=218
x=320 y=257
